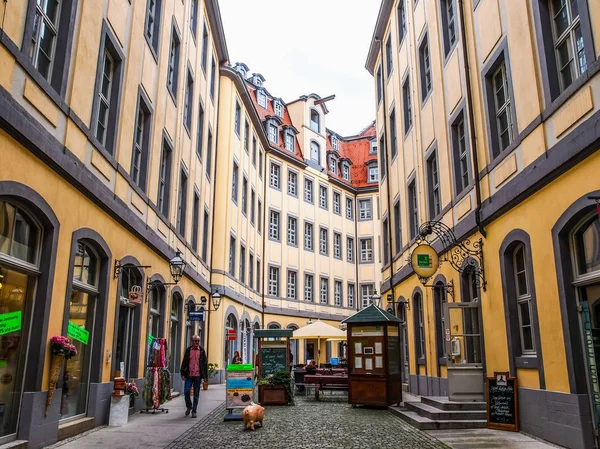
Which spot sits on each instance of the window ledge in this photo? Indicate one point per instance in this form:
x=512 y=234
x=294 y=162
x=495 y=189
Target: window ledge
x=527 y=361
x=443 y=361
x=421 y=361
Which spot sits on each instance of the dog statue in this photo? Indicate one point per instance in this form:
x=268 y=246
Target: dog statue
x=252 y=414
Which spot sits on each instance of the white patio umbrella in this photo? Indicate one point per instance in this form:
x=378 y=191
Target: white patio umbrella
x=319 y=330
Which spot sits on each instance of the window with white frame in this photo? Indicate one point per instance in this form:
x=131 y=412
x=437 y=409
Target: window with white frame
x=523 y=300
x=315 y=151
x=273 y=281
x=278 y=108
x=273 y=133
x=365 y=209
x=289 y=141
x=261 y=98
x=351 y=293
x=366 y=250
x=337 y=293
x=274 y=178
x=334 y=142
x=242 y=275
x=315 y=121
x=373 y=147
x=292 y=183
x=373 y=174
x=350 y=249
x=308 y=287
x=333 y=165
x=324 y=290
x=308 y=190
x=274 y=225
x=308 y=236
x=366 y=295
x=337 y=199
x=291 y=284
x=323 y=241
x=349 y=209
x=337 y=245
x=292 y=231
x=232 y=255
x=502 y=106
x=346 y=172
x=323 y=197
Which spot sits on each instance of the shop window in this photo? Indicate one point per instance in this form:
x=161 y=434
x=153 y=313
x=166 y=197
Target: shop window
x=175 y=334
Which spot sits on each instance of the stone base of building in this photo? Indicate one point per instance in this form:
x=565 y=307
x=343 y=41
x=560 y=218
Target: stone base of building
x=427 y=385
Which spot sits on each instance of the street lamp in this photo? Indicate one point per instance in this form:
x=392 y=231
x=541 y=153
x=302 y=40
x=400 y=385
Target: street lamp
x=177 y=266
x=216 y=302
x=376 y=298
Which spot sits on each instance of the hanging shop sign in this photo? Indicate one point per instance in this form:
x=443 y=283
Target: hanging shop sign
x=231 y=334
x=425 y=261
x=197 y=316
x=136 y=295
x=78 y=333
x=10 y=322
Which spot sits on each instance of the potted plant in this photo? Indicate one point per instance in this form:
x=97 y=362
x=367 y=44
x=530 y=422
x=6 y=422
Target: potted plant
x=133 y=391
x=276 y=389
x=212 y=370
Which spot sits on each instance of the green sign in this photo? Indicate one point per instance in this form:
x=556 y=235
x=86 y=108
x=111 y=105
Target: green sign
x=3 y=363
x=423 y=260
x=150 y=338
x=239 y=367
x=10 y=322
x=78 y=333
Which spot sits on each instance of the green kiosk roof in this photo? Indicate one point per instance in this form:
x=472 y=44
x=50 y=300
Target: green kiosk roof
x=273 y=333
x=371 y=314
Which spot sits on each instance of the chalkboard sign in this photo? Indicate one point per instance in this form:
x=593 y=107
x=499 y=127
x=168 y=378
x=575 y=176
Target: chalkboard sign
x=273 y=360
x=502 y=404
x=393 y=354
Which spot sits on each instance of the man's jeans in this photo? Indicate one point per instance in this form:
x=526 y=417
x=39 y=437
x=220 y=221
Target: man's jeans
x=189 y=381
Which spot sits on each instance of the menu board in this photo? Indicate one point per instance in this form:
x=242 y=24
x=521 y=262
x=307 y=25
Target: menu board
x=503 y=407
x=239 y=386
x=272 y=360
x=393 y=348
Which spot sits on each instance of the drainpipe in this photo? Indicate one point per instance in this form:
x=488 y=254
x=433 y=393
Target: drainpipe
x=387 y=169
x=471 y=121
x=264 y=236
x=356 y=259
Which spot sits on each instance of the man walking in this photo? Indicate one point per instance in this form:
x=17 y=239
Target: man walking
x=194 y=368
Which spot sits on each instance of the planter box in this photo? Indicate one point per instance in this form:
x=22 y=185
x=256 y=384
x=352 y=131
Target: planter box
x=274 y=395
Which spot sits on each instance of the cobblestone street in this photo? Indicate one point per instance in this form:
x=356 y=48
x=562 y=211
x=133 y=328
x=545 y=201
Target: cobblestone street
x=326 y=424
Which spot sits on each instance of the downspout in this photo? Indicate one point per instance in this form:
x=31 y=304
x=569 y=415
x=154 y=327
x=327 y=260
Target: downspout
x=264 y=237
x=471 y=121
x=356 y=255
x=387 y=169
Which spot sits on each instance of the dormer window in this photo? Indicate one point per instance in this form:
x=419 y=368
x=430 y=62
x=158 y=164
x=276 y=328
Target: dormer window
x=273 y=133
x=346 y=172
x=333 y=165
x=334 y=142
x=373 y=173
x=289 y=141
x=314 y=152
x=261 y=97
x=257 y=80
x=278 y=108
x=373 y=147
x=315 y=121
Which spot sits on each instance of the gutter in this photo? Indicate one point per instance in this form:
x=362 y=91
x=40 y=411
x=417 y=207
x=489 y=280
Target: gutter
x=471 y=121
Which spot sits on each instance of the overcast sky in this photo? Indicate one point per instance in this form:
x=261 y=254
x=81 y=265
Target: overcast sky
x=308 y=46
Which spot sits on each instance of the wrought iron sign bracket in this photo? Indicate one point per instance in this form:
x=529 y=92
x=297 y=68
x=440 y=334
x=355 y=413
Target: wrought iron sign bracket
x=119 y=268
x=448 y=288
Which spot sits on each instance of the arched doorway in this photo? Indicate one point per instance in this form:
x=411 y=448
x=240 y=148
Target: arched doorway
x=176 y=321
x=230 y=345
x=246 y=331
x=402 y=316
x=294 y=346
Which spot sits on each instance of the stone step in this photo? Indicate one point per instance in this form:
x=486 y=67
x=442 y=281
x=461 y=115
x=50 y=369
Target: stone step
x=76 y=427
x=435 y=413
x=17 y=444
x=424 y=423
x=443 y=403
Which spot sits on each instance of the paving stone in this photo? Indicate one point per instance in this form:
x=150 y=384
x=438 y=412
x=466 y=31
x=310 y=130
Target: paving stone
x=330 y=423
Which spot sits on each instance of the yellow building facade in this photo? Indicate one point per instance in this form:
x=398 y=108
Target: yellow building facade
x=487 y=118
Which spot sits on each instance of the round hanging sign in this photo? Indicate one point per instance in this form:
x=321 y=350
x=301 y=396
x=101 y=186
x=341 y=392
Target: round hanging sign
x=425 y=261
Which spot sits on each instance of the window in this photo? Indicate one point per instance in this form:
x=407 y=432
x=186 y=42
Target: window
x=278 y=107
x=334 y=142
x=373 y=174
x=205 y=234
x=234 y=183
x=382 y=156
x=350 y=249
x=292 y=277
x=252 y=199
x=261 y=98
x=292 y=231
x=366 y=250
x=373 y=147
x=439 y=299
x=200 y=134
x=194 y=17
x=209 y=154
x=337 y=293
x=308 y=287
x=388 y=55
x=366 y=292
x=195 y=222
x=315 y=121
x=324 y=291
x=187 y=107
x=462 y=168
x=386 y=241
x=213 y=76
x=259 y=215
x=292 y=183
x=393 y=139
x=407 y=102
x=242 y=264
x=433 y=187
x=349 y=209
x=448 y=25
x=351 y=295
x=260 y=163
x=253 y=150
x=153 y=8
x=232 y=255
x=413 y=210
x=258 y=276
x=308 y=236
x=323 y=197
x=273 y=133
x=274 y=225
x=333 y=165
x=379 y=85
x=337 y=199
x=425 y=64
x=346 y=171
x=315 y=151
x=182 y=203
x=523 y=296
x=238 y=118
x=173 y=69
x=499 y=97
x=204 y=47
x=141 y=143
x=401 y=20
x=308 y=190
x=419 y=326
x=397 y=228
x=289 y=141
x=323 y=241
x=274 y=178
x=245 y=196
x=365 y=210
x=273 y=281
x=337 y=245
x=251 y=270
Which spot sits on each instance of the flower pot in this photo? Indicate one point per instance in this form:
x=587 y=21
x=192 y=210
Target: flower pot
x=271 y=395
x=56 y=364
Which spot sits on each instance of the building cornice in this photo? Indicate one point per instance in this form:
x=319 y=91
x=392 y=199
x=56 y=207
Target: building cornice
x=380 y=26
x=216 y=25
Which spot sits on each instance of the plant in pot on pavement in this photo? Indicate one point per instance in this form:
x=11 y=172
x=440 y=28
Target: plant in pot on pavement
x=212 y=370
x=274 y=385
x=132 y=390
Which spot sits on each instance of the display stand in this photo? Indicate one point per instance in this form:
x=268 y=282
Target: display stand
x=157 y=382
x=239 y=392
x=273 y=356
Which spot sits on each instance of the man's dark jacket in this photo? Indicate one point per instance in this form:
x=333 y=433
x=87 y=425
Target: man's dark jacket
x=185 y=364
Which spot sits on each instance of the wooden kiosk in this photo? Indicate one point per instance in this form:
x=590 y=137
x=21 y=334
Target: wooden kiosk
x=373 y=358
x=273 y=356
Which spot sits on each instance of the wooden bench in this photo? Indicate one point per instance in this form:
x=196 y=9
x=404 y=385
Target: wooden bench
x=324 y=382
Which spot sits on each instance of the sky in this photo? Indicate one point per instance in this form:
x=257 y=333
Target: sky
x=308 y=46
